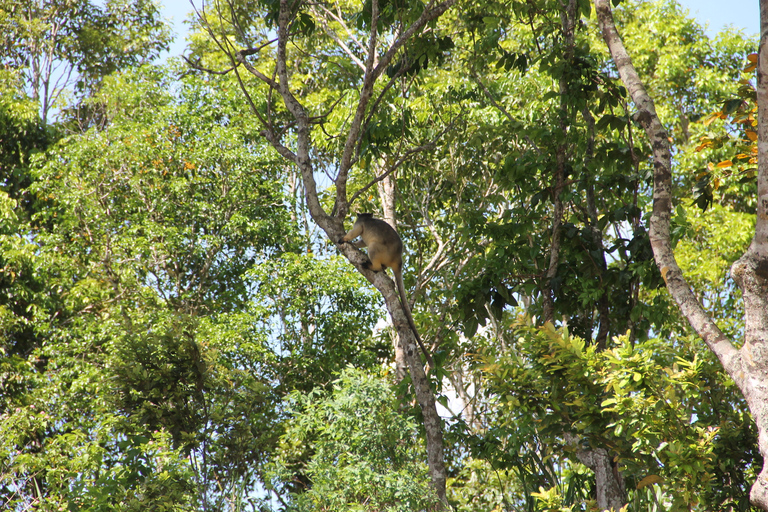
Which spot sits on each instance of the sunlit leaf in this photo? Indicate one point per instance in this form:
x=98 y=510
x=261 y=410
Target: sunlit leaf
x=649 y=480
x=713 y=117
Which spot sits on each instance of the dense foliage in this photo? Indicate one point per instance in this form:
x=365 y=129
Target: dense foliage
x=176 y=333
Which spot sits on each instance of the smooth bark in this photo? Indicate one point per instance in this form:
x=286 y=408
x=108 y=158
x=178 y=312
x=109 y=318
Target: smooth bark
x=388 y=194
x=747 y=366
x=377 y=60
x=609 y=483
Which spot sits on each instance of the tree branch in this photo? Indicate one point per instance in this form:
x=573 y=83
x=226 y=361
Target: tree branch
x=400 y=161
x=302 y=158
x=333 y=35
x=372 y=73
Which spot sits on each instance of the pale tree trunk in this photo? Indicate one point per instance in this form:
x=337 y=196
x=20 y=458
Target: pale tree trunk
x=751 y=273
x=379 y=55
x=748 y=366
x=609 y=484
x=333 y=226
x=388 y=194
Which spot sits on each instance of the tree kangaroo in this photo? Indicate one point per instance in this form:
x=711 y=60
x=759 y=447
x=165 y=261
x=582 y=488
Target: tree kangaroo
x=385 y=249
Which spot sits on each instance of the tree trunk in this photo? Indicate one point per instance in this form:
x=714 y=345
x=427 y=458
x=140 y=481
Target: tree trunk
x=748 y=366
x=333 y=226
x=388 y=195
x=609 y=484
x=751 y=273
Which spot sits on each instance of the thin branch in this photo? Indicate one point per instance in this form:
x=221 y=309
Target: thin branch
x=266 y=122
x=490 y=97
x=303 y=130
x=428 y=15
x=333 y=35
x=240 y=56
x=429 y=145
x=501 y=109
x=375 y=107
x=196 y=65
x=366 y=92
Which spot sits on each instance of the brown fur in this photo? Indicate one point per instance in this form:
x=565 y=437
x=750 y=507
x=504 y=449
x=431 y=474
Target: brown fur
x=385 y=249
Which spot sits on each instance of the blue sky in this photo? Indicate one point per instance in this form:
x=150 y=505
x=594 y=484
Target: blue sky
x=715 y=13
x=719 y=13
